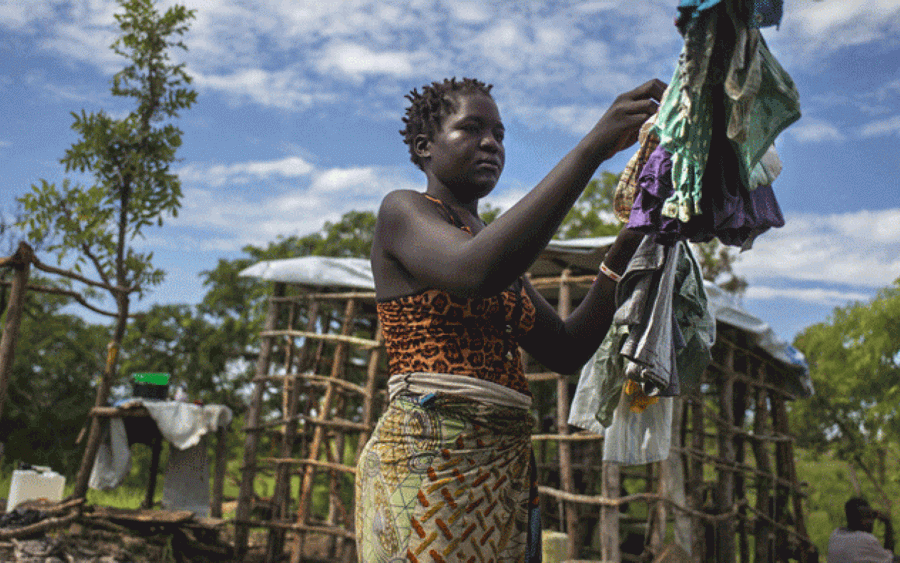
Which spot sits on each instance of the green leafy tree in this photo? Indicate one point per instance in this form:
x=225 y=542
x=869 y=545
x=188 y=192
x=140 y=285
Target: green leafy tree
x=237 y=304
x=717 y=262
x=488 y=213
x=854 y=361
x=178 y=340
x=50 y=377
x=592 y=215
x=129 y=160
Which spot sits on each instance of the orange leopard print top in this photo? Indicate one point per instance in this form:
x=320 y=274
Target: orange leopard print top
x=433 y=331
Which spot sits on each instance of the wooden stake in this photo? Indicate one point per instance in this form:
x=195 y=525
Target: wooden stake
x=245 y=493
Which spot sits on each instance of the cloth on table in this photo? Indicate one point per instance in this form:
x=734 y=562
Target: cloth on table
x=113 y=461
x=181 y=424
x=186 y=479
x=446 y=478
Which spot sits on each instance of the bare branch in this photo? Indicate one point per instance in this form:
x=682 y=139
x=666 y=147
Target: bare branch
x=69 y=274
x=66 y=292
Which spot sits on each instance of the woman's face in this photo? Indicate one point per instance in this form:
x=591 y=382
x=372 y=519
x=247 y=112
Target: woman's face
x=466 y=155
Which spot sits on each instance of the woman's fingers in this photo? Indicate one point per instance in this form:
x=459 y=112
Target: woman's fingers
x=652 y=89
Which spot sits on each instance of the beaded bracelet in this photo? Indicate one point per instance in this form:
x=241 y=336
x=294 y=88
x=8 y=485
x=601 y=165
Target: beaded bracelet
x=606 y=271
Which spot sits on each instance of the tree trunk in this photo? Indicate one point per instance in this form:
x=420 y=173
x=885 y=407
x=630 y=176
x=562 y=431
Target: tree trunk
x=22 y=264
x=106 y=381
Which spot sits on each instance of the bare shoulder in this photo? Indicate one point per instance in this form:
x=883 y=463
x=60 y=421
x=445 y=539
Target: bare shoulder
x=400 y=202
x=406 y=209
x=395 y=214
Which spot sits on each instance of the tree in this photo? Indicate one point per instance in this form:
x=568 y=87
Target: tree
x=854 y=362
x=133 y=186
x=178 y=340
x=593 y=216
x=50 y=377
x=716 y=263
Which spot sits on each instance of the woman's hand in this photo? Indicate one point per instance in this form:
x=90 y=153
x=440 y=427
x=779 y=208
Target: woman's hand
x=622 y=121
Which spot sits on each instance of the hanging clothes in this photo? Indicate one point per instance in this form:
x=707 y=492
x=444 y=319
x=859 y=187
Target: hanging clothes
x=729 y=210
x=626 y=189
x=721 y=53
x=684 y=121
x=599 y=392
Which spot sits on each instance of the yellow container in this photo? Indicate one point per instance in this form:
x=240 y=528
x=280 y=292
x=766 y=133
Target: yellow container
x=554 y=546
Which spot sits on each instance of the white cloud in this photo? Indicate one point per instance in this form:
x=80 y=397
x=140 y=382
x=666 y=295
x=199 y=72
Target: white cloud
x=255 y=202
x=21 y=15
x=858 y=249
x=358 y=61
x=815 y=29
x=818 y=296
x=244 y=172
x=810 y=130
x=882 y=127
x=469 y=12
x=286 y=89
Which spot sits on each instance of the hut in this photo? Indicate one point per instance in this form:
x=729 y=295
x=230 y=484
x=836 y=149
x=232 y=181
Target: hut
x=728 y=491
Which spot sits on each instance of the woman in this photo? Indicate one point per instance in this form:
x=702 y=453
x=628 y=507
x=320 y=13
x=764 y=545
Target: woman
x=448 y=473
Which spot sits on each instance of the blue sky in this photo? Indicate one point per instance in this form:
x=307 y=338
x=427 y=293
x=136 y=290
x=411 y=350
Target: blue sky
x=300 y=103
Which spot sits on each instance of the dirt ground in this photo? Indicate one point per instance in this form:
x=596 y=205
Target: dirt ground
x=82 y=544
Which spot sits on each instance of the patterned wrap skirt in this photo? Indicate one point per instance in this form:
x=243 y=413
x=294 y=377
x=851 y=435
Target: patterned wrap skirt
x=448 y=479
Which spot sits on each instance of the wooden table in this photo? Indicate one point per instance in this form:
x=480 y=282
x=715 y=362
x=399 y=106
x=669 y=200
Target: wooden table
x=142 y=429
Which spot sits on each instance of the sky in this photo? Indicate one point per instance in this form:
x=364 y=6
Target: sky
x=300 y=103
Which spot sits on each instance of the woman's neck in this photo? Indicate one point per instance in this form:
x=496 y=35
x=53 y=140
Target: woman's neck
x=464 y=208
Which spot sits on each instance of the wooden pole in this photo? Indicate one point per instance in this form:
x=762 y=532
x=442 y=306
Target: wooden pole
x=245 y=493
x=783 y=461
x=763 y=532
x=290 y=399
x=215 y=508
x=319 y=437
x=808 y=552
x=696 y=482
x=562 y=411
x=21 y=264
x=368 y=417
x=657 y=510
x=725 y=546
x=674 y=477
x=609 y=515
x=155 y=451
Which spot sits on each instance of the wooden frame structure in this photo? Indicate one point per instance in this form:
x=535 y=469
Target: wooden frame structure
x=727 y=493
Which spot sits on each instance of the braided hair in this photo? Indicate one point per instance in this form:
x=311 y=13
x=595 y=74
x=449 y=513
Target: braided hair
x=428 y=109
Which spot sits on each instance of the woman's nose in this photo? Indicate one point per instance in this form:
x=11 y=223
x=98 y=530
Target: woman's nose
x=489 y=141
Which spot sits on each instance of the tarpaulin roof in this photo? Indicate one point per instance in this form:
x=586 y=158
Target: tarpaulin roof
x=576 y=254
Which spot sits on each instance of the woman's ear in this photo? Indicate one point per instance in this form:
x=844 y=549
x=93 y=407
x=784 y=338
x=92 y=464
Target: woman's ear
x=422 y=146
